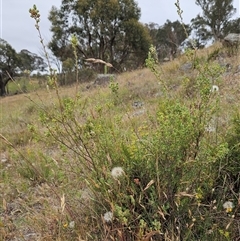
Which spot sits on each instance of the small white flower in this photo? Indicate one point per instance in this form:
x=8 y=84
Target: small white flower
x=210 y=231
x=117 y=172
x=228 y=206
x=210 y=129
x=214 y=88
x=72 y=224
x=108 y=216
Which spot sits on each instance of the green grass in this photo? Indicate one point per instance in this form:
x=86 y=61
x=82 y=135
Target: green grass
x=25 y=84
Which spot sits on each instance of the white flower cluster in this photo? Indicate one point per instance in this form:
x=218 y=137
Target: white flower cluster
x=210 y=128
x=214 y=88
x=117 y=172
x=108 y=216
x=228 y=206
x=72 y=224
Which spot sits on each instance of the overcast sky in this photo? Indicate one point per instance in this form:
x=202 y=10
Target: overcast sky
x=17 y=28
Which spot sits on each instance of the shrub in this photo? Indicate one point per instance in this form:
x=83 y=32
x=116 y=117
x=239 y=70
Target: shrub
x=172 y=176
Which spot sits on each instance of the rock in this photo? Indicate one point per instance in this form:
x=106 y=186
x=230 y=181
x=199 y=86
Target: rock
x=3 y=158
x=237 y=69
x=232 y=38
x=186 y=66
x=104 y=79
x=166 y=59
x=227 y=66
x=138 y=113
x=137 y=104
x=231 y=42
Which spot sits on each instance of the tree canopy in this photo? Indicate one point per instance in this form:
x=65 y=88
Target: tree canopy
x=214 y=19
x=168 y=38
x=233 y=26
x=12 y=63
x=110 y=30
x=31 y=61
x=106 y=29
x=9 y=60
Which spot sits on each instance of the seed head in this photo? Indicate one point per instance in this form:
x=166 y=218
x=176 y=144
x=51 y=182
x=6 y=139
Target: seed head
x=117 y=172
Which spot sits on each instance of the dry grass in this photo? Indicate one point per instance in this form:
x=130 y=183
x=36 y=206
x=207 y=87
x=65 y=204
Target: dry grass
x=32 y=210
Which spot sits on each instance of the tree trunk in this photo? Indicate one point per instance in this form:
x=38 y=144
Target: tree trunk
x=2 y=86
x=3 y=83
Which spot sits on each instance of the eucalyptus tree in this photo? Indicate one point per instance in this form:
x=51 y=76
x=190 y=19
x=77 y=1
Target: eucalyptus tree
x=31 y=61
x=9 y=62
x=169 y=37
x=233 y=26
x=214 y=19
x=13 y=63
x=106 y=29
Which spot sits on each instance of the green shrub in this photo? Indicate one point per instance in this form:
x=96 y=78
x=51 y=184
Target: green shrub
x=169 y=177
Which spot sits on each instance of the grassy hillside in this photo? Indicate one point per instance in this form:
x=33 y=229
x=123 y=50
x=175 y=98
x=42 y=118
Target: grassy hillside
x=152 y=156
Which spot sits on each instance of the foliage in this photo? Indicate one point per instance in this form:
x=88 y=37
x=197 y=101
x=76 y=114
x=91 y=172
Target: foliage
x=25 y=84
x=8 y=57
x=8 y=64
x=153 y=180
x=168 y=38
x=233 y=26
x=106 y=30
x=231 y=167
x=59 y=45
x=214 y=19
x=31 y=61
x=172 y=175
x=13 y=63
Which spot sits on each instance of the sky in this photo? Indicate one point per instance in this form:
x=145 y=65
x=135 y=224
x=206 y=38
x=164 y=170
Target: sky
x=18 y=29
